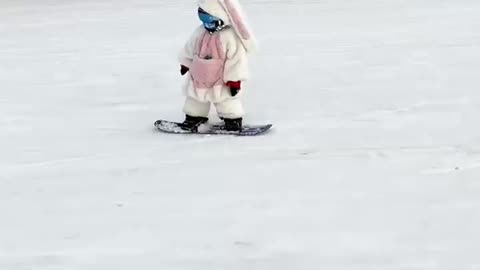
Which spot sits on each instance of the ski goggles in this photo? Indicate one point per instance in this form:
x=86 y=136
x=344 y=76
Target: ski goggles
x=209 y=21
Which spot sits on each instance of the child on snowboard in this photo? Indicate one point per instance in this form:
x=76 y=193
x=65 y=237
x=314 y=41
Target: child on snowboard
x=215 y=57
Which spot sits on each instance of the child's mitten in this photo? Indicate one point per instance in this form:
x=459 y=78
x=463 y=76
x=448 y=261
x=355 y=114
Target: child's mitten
x=234 y=87
x=183 y=70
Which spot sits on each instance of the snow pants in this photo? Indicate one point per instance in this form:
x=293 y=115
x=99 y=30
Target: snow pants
x=230 y=108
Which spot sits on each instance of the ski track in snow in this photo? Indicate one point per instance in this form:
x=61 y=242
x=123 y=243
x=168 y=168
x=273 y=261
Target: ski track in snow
x=373 y=162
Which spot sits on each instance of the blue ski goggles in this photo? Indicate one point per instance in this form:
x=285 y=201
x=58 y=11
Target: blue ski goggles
x=210 y=22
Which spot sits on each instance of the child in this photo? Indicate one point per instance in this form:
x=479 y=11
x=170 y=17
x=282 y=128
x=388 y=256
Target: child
x=216 y=59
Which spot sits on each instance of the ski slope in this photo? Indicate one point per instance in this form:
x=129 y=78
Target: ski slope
x=374 y=162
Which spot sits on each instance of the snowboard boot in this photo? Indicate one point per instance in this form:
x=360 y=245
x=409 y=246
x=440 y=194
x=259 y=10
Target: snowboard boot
x=233 y=124
x=192 y=123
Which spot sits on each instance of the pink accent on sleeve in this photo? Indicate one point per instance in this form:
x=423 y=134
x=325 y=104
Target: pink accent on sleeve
x=237 y=20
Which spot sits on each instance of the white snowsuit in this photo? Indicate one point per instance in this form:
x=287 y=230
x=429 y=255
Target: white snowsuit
x=214 y=59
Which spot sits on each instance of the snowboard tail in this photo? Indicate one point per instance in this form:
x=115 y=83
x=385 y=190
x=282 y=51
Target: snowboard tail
x=215 y=129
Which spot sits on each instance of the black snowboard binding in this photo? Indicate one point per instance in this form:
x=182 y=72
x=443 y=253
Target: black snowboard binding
x=192 y=123
x=233 y=124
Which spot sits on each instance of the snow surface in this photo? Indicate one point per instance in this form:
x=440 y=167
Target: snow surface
x=374 y=162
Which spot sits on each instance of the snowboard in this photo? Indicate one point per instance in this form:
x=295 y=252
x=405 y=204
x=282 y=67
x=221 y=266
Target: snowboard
x=206 y=129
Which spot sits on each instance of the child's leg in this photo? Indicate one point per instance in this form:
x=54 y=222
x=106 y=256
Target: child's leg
x=230 y=109
x=196 y=108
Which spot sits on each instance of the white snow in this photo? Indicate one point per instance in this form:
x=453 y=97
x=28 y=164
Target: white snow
x=374 y=162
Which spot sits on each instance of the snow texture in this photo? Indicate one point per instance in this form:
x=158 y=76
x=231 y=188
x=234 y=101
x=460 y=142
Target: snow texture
x=374 y=162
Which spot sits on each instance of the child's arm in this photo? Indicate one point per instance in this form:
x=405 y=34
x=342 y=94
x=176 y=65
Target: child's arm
x=236 y=65
x=186 y=55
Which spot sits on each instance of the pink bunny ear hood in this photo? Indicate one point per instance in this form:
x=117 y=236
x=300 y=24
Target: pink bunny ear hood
x=231 y=13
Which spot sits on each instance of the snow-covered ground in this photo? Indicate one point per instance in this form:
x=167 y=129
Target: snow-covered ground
x=374 y=162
